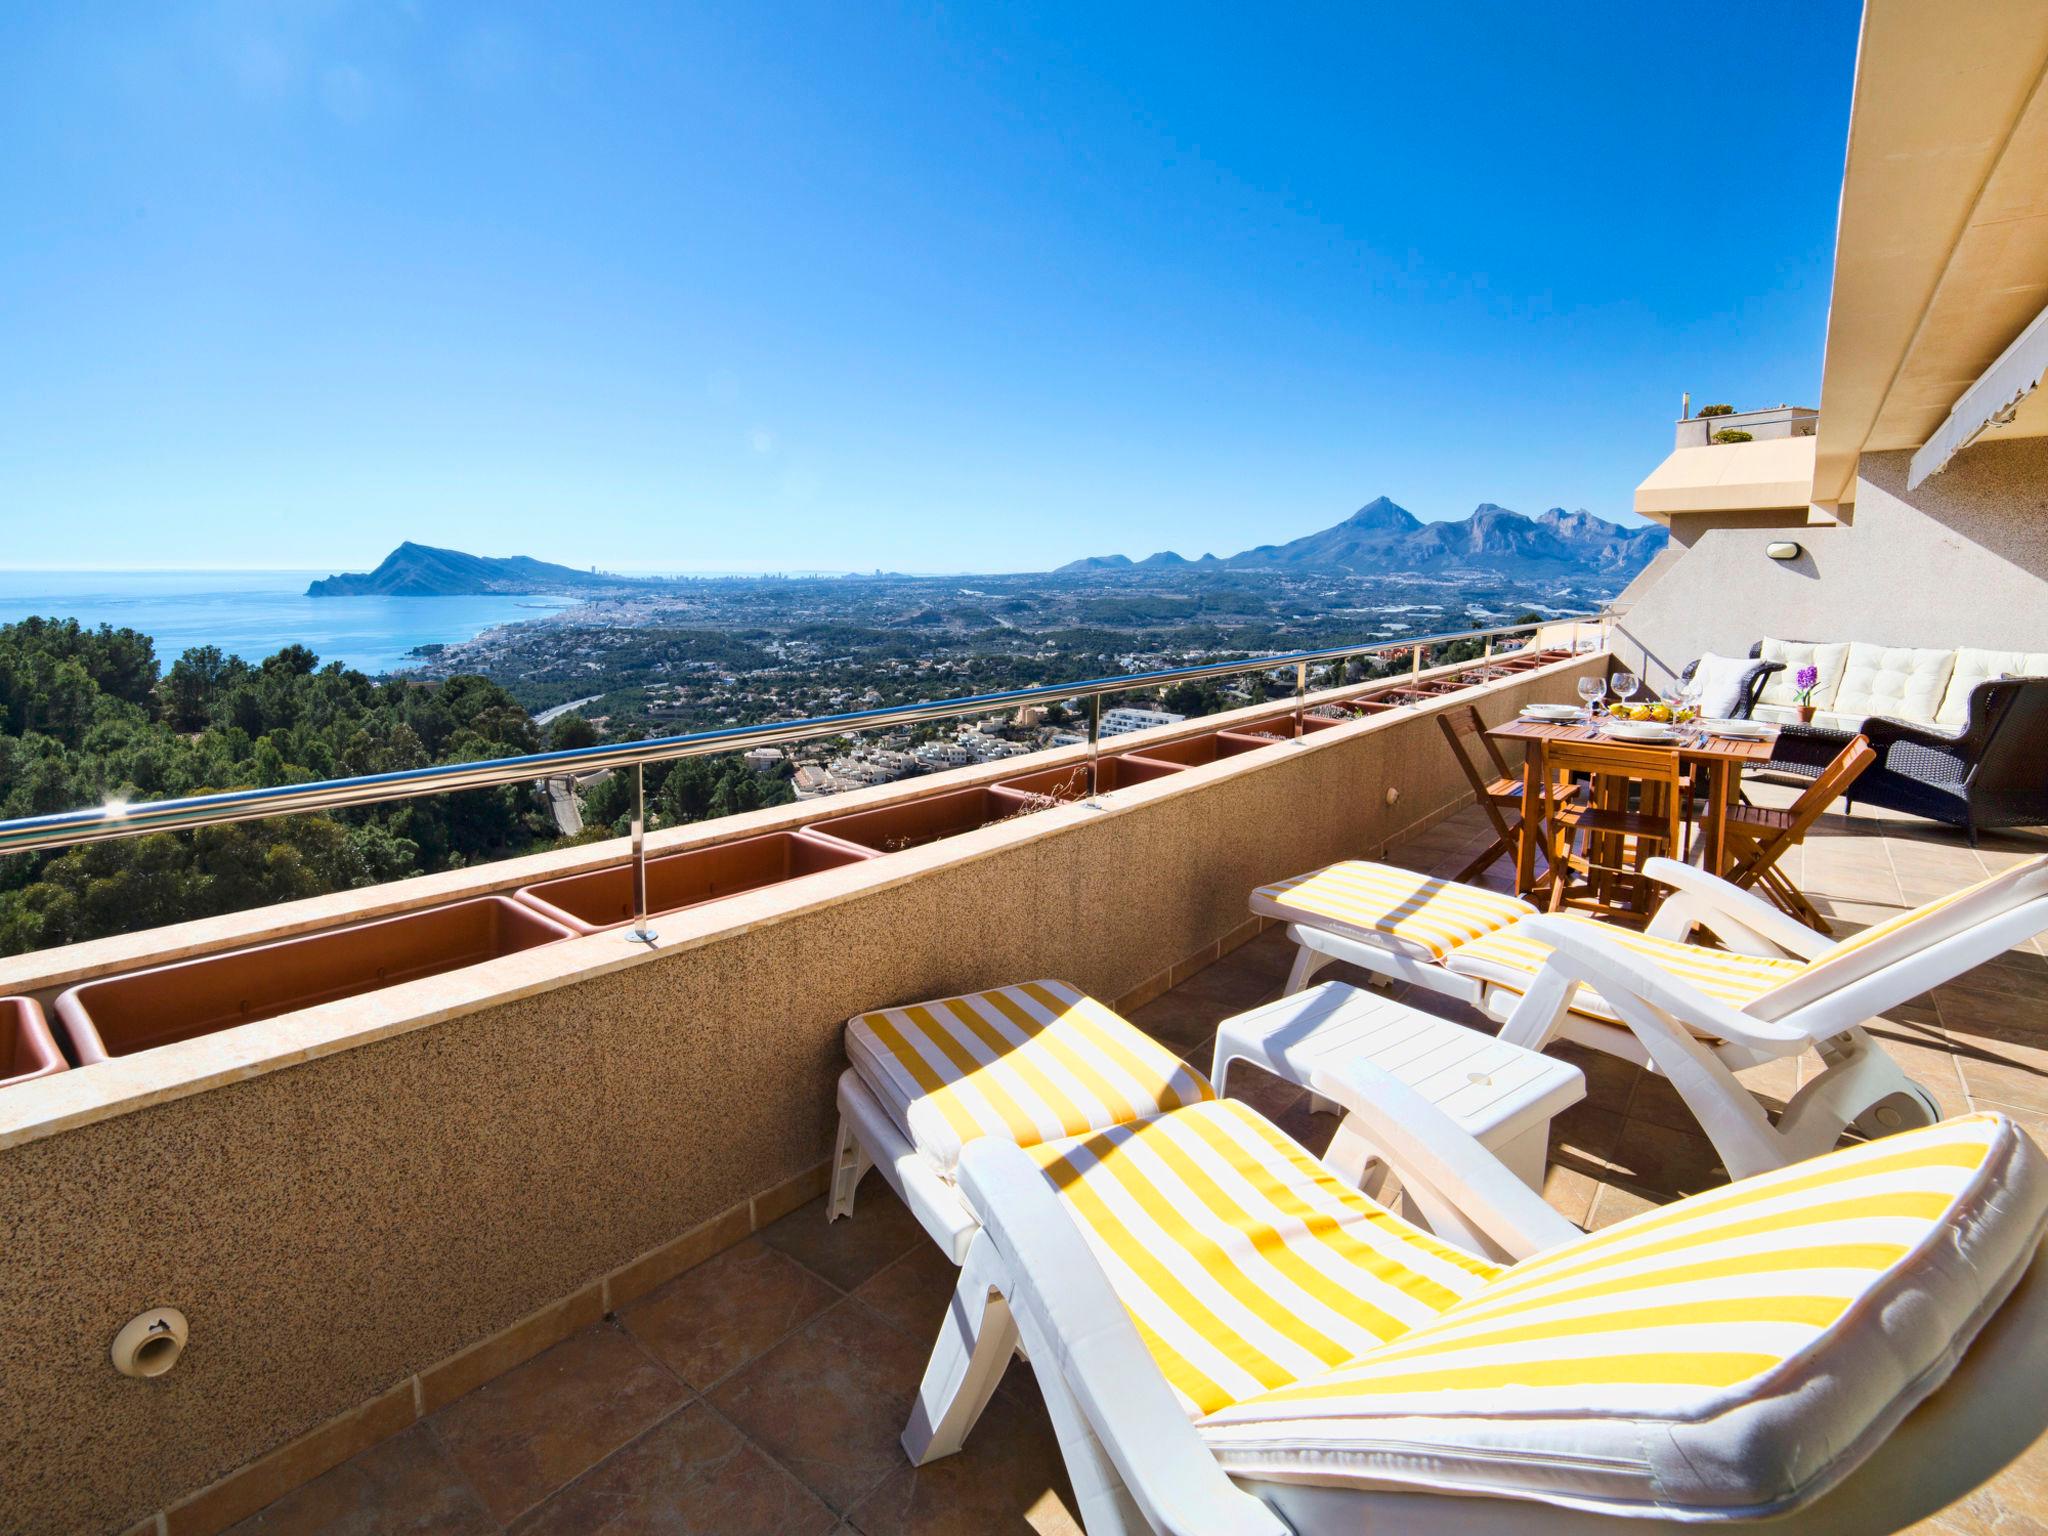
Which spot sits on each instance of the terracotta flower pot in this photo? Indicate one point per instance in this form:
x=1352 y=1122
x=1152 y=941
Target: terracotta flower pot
x=912 y=823
x=27 y=1049
x=119 y=1015
x=1805 y=712
x=603 y=898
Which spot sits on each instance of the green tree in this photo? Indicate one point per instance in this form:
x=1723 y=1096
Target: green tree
x=571 y=731
x=85 y=718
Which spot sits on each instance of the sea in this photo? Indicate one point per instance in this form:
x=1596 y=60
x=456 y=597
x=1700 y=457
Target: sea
x=253 y=613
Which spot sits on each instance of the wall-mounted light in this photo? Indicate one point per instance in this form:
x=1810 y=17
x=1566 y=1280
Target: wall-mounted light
x=1782 y=551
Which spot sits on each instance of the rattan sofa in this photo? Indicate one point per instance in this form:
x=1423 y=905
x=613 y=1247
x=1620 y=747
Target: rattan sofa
x=1964 y=742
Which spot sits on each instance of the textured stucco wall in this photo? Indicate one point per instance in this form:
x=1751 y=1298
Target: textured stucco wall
x=335 y=1225
x=1963 y=560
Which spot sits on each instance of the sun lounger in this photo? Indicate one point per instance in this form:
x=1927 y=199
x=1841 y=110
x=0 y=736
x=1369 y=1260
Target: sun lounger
x=1038 y=1062
x=1230 y=1339
x=1692 y=1012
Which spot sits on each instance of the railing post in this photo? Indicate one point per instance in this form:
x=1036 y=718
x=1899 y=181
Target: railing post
x=1094 y=743
x=640 y=933
x=1415 y=662
x=1300 y=697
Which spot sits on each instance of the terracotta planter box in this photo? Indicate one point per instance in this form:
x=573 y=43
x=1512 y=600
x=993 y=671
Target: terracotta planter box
x=1071 y=783
x=603 y=898
x=1193 y=751
x=124 y=1014
x=1282 y=726
x=27 y=1048
x=890 y=828
x=1357 y=708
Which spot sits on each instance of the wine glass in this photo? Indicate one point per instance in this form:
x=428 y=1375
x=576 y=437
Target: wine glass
x=1590 y=690
x=1625 y=685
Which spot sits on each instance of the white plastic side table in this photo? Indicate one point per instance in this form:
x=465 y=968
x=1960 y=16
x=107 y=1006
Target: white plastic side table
x=1503 y=1095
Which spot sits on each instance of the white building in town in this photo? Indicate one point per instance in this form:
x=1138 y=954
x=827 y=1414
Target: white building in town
x=1121 y=722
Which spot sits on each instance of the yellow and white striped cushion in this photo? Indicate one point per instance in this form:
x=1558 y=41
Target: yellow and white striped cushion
x=1398 y=909
x=1734 y=1353
x=1035 y=1062
x=1511 y=959
x=1245 y=1263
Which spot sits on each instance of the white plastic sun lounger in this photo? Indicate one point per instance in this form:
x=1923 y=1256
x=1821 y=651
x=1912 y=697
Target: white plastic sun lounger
x=1037 y=1062
x=1231 y=1340
x=1696 y=1014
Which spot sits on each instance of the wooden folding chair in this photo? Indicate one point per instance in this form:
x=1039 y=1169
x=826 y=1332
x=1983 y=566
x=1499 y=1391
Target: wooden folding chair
x=1635 y=811
x=1500 y=796
x=1759 y=836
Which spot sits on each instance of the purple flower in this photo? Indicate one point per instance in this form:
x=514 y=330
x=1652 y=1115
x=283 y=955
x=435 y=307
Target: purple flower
x=1807 y=677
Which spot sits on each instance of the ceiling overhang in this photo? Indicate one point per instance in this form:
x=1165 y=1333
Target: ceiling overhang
x=1941 y=252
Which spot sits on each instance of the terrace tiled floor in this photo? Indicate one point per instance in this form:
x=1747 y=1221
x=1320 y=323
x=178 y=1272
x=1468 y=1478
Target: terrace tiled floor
x=764 y=1390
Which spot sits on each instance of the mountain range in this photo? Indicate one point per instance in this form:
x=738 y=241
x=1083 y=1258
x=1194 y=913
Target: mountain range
x=1382 y=537
x=420 y=570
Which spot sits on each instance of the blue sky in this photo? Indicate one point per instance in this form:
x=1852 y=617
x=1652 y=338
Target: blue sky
x=974 y=287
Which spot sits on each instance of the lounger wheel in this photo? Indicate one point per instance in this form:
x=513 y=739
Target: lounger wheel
x=1909 y=1108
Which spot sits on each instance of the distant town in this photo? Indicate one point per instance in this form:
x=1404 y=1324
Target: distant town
x=641 y=657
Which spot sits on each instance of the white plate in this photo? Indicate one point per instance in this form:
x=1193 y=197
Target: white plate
x=1643 y=731
x=1740 y=730
x=1551 y=712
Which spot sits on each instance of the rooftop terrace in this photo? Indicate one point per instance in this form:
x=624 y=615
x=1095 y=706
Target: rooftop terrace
x=763 y=1389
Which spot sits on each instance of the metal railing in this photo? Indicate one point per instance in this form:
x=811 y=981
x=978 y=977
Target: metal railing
x=30 y=834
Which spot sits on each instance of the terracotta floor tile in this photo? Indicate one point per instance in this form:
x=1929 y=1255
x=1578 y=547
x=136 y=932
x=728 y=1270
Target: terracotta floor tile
x=1271 y=955
x=1665 y=1164
x=1587 y=1138
x=2016 y=971
x=1925 y=1055
x=519 y=1438
x=914 y=1292
x=691 y=1475
x=1657 y=1102
x=1271 y=1096
x=713 y=1319
x=2004 y=1071
x=829 y=1402
x=2014 y=1503
x=1610 y=1081
x=880 y=1231
x=1008 y=1477
x=1983 y=1002
x=1612 y=1203
x=1178 y=1021
x=1773 y=1083
x=406 y=1484
x=1230 y=986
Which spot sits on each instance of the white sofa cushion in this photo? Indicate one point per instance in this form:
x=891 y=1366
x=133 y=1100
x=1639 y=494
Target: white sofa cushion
x=1720 y=685
x=1904 y=683
x=1781 y=689
x=1974 y=666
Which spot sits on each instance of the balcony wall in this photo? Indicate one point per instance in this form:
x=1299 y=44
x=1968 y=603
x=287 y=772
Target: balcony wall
x=368 y=1207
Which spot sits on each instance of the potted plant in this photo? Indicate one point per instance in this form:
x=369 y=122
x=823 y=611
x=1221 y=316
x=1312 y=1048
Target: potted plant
x=1804 y=681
